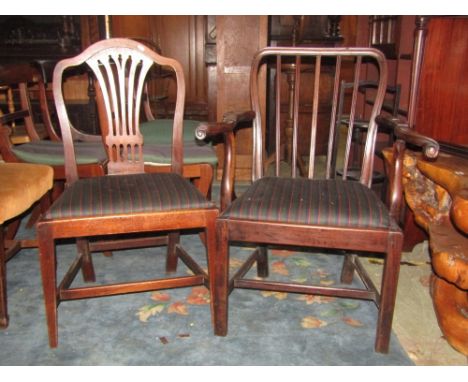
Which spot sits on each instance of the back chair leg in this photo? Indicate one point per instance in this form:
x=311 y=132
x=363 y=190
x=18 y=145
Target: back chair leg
x=171 y=260
x=48 y=262
x=219 y=280
x=262 y=261
x=87 y=267
x=3 y=285
x=347 y=271
x=388 y=293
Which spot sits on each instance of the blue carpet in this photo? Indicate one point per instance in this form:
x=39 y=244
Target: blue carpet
x=173 y=327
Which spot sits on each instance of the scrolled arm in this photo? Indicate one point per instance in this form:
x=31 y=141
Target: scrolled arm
x=231 y=122
x=404 y=135
x=429 y=147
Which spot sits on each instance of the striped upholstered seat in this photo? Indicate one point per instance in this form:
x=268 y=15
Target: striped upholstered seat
x=127 y=194
x=318 y=202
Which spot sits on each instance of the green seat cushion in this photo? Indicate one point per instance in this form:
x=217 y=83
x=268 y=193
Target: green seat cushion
x=157 y=136
x=159 y=131
x=193 y=153
x=51 y=153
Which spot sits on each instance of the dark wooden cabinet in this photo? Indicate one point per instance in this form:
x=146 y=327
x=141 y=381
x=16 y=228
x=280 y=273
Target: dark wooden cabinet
x=443 y=81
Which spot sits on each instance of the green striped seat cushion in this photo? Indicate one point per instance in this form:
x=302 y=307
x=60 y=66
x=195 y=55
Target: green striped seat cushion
x=193 y=153
x=304 y=201
x=51 y=153
x=159 y=131
x=127 y=194
x=157 y=136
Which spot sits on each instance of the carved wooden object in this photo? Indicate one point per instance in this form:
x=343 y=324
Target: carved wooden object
x=437 y=193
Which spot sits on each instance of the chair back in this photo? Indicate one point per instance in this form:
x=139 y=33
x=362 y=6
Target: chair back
x=305 y=83
x=120 y=67
x=21 y=83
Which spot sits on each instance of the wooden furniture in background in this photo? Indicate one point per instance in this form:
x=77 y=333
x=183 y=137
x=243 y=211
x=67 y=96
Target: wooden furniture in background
x=150 y=202
x=437 y=193
x=287 y=211
x=440 y=93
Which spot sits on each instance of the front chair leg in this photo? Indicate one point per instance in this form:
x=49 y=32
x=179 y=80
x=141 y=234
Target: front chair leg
x=388 y=293
x=171 y=260
x=48 y=264
x=219 y=280
x=3 y=284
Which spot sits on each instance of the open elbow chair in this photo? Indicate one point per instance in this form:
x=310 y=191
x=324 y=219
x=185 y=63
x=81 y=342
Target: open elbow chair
x=126 y=201
x=327 y=214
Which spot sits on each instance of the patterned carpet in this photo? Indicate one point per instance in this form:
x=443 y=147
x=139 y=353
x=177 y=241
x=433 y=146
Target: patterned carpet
x=173 y=327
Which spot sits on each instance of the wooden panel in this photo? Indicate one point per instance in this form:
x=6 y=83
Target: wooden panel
x=443 y=94
x=182 y=38
x=131 y=26
x=238 y=39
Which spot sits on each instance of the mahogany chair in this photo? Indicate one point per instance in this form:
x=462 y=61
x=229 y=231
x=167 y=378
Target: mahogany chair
x=147 y=202
x=338 y=216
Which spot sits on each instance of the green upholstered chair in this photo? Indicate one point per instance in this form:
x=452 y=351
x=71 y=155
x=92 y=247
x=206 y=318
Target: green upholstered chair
x=21 y=186
x=129 y=200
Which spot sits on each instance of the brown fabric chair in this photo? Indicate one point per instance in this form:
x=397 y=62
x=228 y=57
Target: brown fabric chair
x=127 y=201
x=320 y=212
x=21 y=186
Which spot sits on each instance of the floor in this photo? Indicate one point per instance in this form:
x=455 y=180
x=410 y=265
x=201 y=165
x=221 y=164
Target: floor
x=415 y=323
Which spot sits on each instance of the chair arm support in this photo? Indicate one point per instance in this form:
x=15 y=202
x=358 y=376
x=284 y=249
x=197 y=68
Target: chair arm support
x=404 y=135
x=84 y=137
x=231 y=122
x=20 y=114
x=429 y=146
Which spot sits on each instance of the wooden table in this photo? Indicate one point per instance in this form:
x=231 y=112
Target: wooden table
x=437 y=193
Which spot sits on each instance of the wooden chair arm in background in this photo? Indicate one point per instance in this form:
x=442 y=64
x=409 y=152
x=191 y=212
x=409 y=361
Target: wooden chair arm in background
x=232 y=121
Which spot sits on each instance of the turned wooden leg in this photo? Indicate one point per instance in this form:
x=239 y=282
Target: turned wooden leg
x=347 y=271
x=262 y=261
x=87 y=267
x=388 y=292
x=171 y=260
x=3 y=285
x=219 y=280
x=48 y=264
